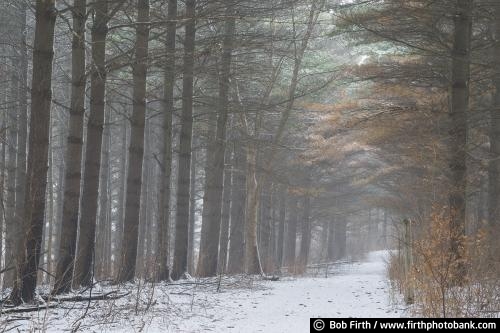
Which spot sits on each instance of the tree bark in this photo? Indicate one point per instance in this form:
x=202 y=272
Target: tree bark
x=458 y=122
x=281 y=228
x=41 y=98
x=108 y=243
x=103 y=200
x=136 y=150
x=265 y=227
x=22 y=131
x=226 y=209
x=49 y=217
x=236 y=233
x=150 y=225
x=273 y=237
x=494 y=163
x=208 y=177
x=252 y=259
x=143 y=235
x=291 y=235
x=59 y=207
x=305 y=243
x=12 y=235
x=163 y=273
x=384 y=231
x=212 y=203
x=73 y=175
x=192 y=209
x=118 y=234
x=183 y=179
x=86 y=239
x=2 y=205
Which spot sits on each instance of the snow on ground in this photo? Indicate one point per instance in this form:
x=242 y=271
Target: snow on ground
x=236 y=304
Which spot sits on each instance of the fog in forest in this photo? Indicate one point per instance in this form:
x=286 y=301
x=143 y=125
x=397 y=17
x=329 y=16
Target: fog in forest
x=244 y=165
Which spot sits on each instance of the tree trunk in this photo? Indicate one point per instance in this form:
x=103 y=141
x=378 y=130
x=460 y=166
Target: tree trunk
x=41 y=98
x=73 y=175
x=265 y=234
x=385 y=244
x=252 y=260
x=12 y=235
x=192 y=209
x=59 y=207
x=458 y=131
x=145 y=239
x=481 y=203
x=150 y=228
x=136 y=150
x=273 y=204
x=305 y=243
x=208 y=177
x=163 y=273
x=331 y=239
x=324 y=240
x=236 y=233
x=211 y=121
x=291 y=235
x=2 y=210
x=183 y=179
x=86 y=240
x=143 y=236
x=281 y=228
x=108 y=240
x=226 y=209
x=49 y=217
x=212 y=203
x=103 y=199
x=121 y=201
x=494 y=163
x=22 y=133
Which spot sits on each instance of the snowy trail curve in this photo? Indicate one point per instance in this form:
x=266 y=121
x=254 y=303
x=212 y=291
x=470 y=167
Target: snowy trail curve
x=361 y=290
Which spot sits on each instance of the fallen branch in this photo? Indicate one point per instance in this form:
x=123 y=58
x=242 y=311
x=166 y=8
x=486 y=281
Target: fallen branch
x=80 y=298
x=12 y=319
x=207 y=283
x=29 y=309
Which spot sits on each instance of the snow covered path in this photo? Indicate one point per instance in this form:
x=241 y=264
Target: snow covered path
x=241 y=304
x=360 y=290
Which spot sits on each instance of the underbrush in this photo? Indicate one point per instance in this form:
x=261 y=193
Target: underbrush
x=446 y=283
x=138 y=307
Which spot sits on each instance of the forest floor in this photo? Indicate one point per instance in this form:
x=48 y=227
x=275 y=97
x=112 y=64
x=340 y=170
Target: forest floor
x=235 y=304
